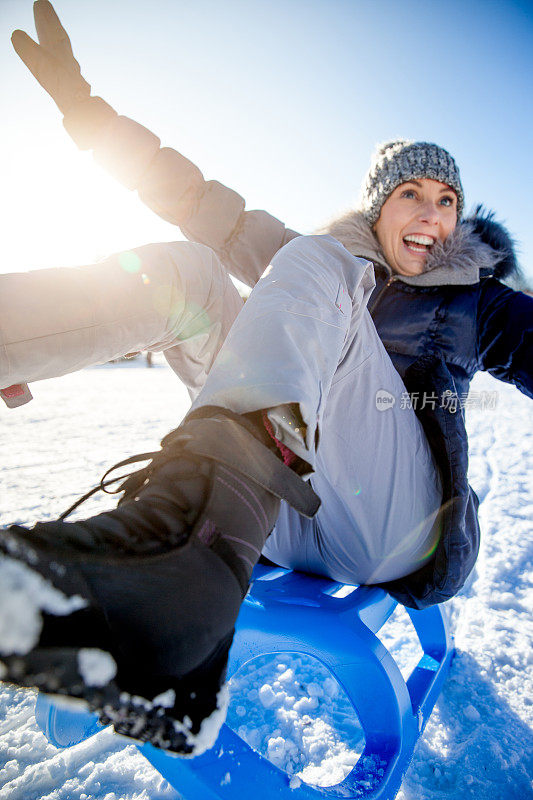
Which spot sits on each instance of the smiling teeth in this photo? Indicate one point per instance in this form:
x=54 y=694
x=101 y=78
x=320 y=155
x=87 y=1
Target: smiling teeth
x=427 y=240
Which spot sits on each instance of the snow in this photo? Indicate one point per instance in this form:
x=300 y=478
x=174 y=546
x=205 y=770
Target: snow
x=23 y=594
x=96 y=667
x=166 y=699
x=478 y=741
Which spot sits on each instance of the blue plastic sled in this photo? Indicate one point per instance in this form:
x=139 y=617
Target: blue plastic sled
x=291 y=612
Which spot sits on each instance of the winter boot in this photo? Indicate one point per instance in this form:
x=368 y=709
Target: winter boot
x=133 y=610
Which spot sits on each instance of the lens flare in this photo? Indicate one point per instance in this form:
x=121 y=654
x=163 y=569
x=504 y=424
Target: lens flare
x=130 y=261
x=195 y=321
x=436 y=534
x=187 y=320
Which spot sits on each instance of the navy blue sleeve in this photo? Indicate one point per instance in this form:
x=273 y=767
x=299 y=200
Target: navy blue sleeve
x=505 y=334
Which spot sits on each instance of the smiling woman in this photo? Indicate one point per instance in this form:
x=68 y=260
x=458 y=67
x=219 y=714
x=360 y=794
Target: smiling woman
x=413 y=198
x=331 y=327
x=414 y=217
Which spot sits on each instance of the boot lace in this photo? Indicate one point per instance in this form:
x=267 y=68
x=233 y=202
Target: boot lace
x=132 y=482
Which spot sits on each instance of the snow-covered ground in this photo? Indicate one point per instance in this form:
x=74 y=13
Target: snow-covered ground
x=478 y=742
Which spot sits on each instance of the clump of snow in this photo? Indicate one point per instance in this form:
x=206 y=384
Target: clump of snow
x=472 y=714
x=165 y=699
x=267 y=696
x=23 y=595
x=96 y=667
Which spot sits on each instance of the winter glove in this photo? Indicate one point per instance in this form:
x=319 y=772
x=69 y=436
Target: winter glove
x=53 y=64
x=51 y=61
x=167 y=181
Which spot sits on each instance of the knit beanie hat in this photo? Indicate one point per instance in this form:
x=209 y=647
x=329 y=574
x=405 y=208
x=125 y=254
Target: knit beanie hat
x=402 y=160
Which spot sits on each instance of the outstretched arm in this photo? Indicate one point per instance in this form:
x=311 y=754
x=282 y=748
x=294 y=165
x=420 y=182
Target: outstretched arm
x=170 y=184
x=505 y=335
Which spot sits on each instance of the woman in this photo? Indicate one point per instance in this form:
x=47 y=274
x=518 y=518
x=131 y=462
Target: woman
x=306 y=382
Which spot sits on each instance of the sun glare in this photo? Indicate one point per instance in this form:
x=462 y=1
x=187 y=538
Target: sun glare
x=61 y=209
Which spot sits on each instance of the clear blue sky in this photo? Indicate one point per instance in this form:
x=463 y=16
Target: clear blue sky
x=283 y=101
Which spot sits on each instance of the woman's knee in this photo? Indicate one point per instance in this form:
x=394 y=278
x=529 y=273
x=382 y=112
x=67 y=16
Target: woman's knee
x=184 y=261
x=324 y=262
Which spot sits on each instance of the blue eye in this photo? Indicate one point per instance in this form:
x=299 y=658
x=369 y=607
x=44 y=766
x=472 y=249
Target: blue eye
x=446 y=201
x=408 y=193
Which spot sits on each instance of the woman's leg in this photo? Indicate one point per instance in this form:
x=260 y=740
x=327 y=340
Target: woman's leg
x=306 y=337
x=377 y=480
x=175 y=297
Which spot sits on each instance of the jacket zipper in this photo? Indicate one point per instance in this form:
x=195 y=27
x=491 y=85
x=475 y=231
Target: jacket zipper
x=382 y=292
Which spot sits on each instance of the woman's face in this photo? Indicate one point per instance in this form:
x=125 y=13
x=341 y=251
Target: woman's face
x=416 y=214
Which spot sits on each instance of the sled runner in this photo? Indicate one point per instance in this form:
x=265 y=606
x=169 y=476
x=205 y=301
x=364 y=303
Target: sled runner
x=291 y=612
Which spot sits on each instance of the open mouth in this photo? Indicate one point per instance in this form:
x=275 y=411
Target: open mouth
x=418 y=243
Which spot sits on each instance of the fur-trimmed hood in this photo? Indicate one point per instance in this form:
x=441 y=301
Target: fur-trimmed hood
x=478 y=245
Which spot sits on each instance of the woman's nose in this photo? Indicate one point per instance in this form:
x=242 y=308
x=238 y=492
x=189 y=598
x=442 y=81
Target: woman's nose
x=429 y=213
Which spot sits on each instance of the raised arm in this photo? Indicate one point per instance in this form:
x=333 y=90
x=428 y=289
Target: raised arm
x=170 y=184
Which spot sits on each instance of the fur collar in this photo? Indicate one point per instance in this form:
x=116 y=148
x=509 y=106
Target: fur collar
x=460 y=260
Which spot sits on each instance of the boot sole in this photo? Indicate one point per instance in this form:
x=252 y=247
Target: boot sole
x=56 y=672
x=36 y=586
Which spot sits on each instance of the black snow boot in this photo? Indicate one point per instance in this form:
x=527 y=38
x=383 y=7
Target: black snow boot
x=133 y=610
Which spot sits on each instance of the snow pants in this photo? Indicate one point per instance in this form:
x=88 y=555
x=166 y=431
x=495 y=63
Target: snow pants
x=304 y=338
x=174 y=297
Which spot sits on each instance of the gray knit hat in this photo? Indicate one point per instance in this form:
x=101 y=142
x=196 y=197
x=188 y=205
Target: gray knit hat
x=402 y=160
